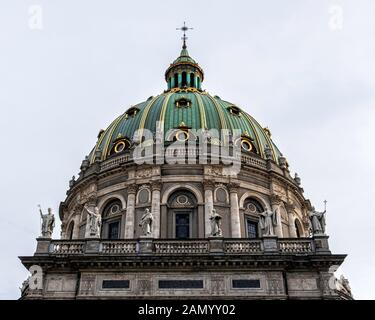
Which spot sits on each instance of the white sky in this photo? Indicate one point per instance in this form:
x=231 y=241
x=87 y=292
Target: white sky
x=285 y=62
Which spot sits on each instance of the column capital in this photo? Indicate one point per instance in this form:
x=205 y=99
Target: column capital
x=233 y=187
x=208 y=184
x=289 y=206
x=156 y=185
x=275 y=199
x=132 y=188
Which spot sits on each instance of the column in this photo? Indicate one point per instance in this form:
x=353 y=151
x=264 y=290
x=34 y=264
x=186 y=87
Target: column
x=188 y=79
x=130 y=211
x=208 y=205
x=234 y=210
x=275 y=205
x=172 y=81
x=155 y=208
x=179 y=80
x=292 y=228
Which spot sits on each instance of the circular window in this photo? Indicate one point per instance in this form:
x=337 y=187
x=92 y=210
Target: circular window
x=251 y=207
x=119 y=146
x=182 y=199
x=114 y=208
x=182 y=135
x=246 y=145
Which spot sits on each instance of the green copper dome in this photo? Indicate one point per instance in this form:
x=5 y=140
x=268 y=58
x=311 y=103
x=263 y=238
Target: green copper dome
x=184 y=104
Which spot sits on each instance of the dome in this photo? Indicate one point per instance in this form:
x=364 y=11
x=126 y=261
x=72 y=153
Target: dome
x=195 y=109
x=184 y=105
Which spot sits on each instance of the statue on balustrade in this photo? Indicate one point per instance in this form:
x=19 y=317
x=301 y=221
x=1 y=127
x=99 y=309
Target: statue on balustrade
x=268 y=220
x=48 y=223
x=215 y=220
x=317 y=221
x=146 y=222
x=94 y=220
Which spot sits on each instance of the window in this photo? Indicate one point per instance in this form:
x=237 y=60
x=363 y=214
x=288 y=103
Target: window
x=182 y=225
x=175 y=80
x=119 y=145
x=252 y=229
x=113 y=229
x=234 y=110
x=70 y=231
x=182 y=102
x=298 y=233
x=192 y=84
x=131 y=112
x=184 y=78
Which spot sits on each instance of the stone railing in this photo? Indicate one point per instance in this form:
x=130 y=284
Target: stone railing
x=112 y=163
x=181 y=247
x=119 y=247
x=248 y=159
x=242 y=246
x=253 y=161
x=67 y=247
x=225 y=246
x=296 y=246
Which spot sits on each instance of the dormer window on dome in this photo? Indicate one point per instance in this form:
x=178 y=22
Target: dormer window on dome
x=182 y=102
x=247 y=143
x=234 y=110
x=131 y=112
x=121 y=144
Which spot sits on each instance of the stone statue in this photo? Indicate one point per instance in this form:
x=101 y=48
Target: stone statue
x=268 y=220
x=317 y=221
x=48 y=223
x=25 y=285
x=146 y=222
x=215 y=219
x=342 y=284
x=94 y=220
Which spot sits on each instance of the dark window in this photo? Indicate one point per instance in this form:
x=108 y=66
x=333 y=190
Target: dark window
x=182 y=225
x=252 y=229
x=184 y=82
x=175 y=80
x=297 y=229
x=113 y=230
x=192 y=84
x=180 y=284
x=115 y=284
x=246 y=283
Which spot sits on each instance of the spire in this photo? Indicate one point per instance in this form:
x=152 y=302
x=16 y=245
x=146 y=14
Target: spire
x=184 y=72
x=184 y=28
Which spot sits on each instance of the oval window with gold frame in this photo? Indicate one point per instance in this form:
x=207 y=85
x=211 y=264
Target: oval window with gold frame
x=182 y=135
x=120 y=146
x=246 y=145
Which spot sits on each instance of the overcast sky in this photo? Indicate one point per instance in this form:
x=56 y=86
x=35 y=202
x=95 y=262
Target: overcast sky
x=305 y=69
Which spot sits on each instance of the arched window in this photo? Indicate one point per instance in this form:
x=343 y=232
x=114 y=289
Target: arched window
x=298 y=227
x=69 y=233
x=184 y=79
x=182 y=215
x=176 y=80
x=192 y=83
x=111 y=218
x=252 y=209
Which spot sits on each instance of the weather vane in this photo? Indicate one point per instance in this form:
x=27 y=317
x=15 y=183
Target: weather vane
x=184 y=28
